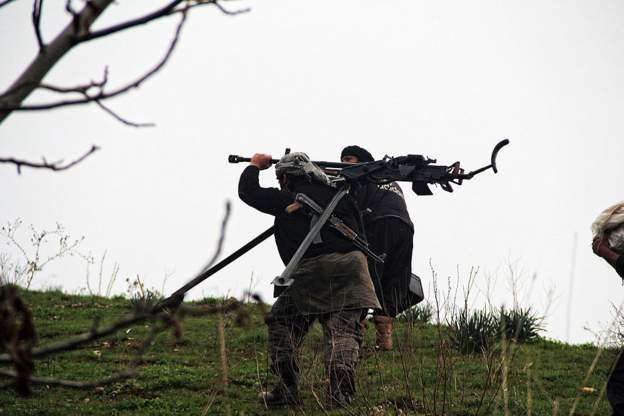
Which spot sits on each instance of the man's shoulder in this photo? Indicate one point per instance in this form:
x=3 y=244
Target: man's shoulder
x=391 y=187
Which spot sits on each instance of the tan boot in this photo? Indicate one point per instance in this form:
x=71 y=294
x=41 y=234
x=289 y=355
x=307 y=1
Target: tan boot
x=364 y=324
x=383 y=325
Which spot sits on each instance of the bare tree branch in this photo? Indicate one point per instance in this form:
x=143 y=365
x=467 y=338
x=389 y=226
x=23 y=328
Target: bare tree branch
x=73 y=384
x=101 y=95
x=165 y=11
x=36 y=20
x=80 y=89
x=217 y=253
x=78 y=31
x=85 y=338
x=231 y=12
x=130 y=371
x=178 y=295
x=121 y=119
x=162 y=12
x=167 y=321
x=55 y=166
x=5 y=2
x=55 y=50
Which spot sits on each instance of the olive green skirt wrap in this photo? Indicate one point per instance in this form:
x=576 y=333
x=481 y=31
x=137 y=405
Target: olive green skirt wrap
x=332 y=282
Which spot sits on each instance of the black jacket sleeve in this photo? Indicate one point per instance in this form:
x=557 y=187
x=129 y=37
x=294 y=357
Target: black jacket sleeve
x=619 y=266
x=268 y=200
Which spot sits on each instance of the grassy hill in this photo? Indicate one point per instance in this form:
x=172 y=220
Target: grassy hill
x=196 y=376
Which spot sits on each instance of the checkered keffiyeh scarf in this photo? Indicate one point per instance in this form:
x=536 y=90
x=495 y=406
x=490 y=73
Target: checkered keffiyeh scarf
x=299 y=164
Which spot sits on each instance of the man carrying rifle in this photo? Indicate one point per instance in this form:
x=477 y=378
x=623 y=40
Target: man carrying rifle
x=389 y=230
x=331 y=283
x=615 y=385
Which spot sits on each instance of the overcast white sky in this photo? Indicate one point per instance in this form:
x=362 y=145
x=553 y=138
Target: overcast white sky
x=445 y=79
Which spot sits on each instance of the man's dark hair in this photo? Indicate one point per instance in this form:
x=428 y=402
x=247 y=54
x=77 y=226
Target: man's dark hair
x=362 y=154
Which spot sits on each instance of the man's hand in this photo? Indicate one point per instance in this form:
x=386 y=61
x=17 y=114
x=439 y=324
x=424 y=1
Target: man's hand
x=261 y=161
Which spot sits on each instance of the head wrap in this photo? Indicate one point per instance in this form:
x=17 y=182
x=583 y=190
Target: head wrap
x=298 y=164
x=362 y=154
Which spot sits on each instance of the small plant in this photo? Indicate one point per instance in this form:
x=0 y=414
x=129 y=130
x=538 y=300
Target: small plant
x=419 y=314
x=473 y=331
x=140 y=297
x=97 y=291
x=519 y=325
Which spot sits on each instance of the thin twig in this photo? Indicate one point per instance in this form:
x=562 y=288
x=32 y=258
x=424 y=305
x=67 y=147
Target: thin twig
x=36 y=20
x=162 y=12
x=55 y=166
x=224 y=365
x=217 y=253
x=5 y=2
x=178 y=294
x=228 y=12
x=74 y=14
x=82 y=89
x=121 y=119
x=78 y=89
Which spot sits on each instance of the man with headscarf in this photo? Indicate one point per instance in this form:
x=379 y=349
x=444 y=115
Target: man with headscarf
x=331 y=283
x=615 y=384
x=389 y=230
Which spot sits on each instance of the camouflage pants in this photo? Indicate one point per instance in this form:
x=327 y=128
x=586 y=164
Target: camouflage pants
x=287 y=327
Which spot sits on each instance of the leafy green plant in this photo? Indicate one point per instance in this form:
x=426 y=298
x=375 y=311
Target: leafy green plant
x=473 y=331
x=519 y=325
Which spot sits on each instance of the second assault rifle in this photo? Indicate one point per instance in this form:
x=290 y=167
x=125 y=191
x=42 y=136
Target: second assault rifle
x=421 y=171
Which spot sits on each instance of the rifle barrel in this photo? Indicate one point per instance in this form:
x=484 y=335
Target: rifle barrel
x=322 y=164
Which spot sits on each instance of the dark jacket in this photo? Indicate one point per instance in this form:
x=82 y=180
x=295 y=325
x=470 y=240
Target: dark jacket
x=383 y=201
x=619 y=266
x=291 y=229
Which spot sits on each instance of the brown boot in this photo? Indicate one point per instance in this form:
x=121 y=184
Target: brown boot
x=383 y=325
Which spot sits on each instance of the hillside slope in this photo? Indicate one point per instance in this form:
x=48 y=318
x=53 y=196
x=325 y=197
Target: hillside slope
x=423 y=376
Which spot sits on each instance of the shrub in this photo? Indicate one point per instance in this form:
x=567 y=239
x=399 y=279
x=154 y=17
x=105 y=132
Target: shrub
x=519 y=325
x=420 y=314
x=473 y=332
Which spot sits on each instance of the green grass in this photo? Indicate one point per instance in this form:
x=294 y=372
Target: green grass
x=423 y=376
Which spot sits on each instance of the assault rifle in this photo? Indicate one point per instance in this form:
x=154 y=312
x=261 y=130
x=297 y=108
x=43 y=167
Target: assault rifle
x=421 y=171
